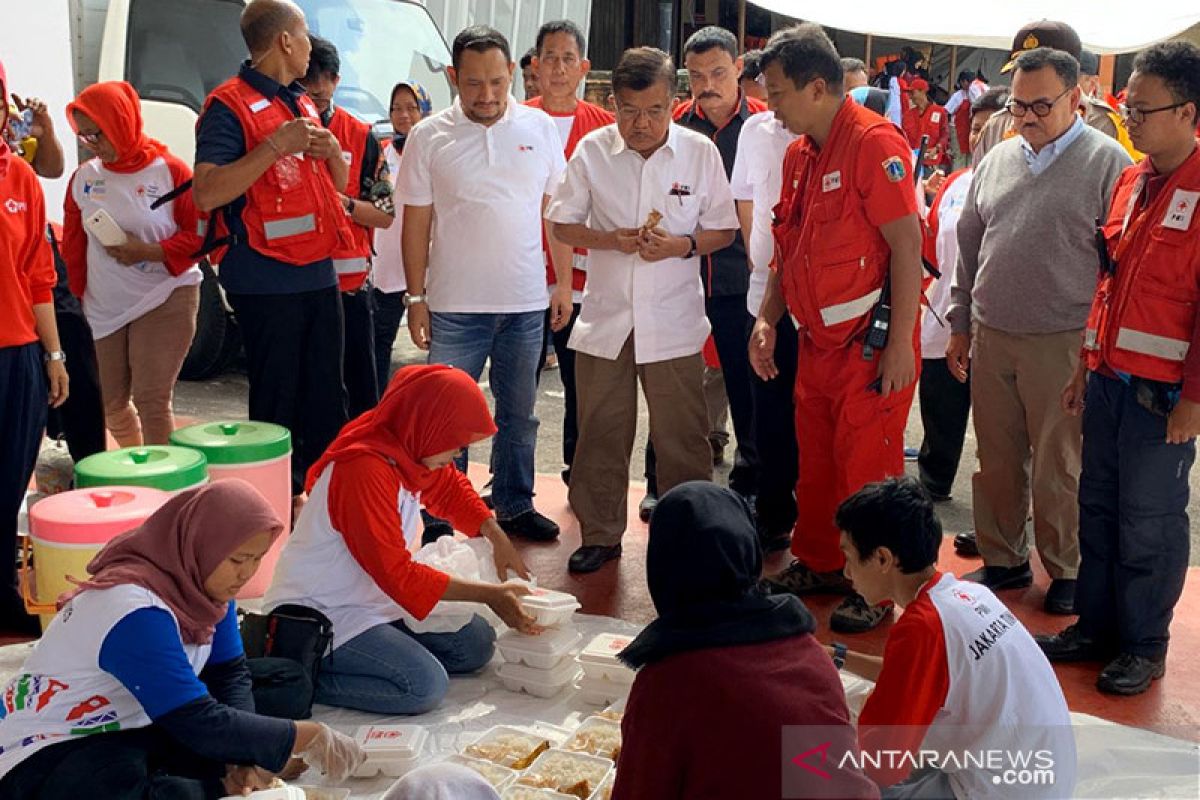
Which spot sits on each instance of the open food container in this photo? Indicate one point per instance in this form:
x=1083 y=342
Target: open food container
x=517 y=792
x=390 y=749
x=277 y=793
x=599 y=658
x=538 y=682
x=606 y=789
x=544 y=651
x=499 y=777
x=508 y=747
x=324 y=793
x=598 y=737
x=574 y=774
x=549 y=607
x=615 y=711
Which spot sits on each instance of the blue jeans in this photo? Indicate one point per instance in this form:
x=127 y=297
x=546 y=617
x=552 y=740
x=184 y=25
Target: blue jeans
x=389 y=669
x=514 y=342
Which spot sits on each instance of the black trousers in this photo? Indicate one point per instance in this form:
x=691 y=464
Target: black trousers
x=80 y=420
x=294 y=362
x=945 y=408
x=1133 y=521
x=138 y=764
x=388 y=312
x=775 y=436
x=358 y=353
x=23 y=393
x=566 y=371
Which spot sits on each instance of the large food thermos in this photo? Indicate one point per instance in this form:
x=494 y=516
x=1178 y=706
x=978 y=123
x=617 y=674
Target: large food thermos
x=169 y=469
x=259 y=453
x=67 y=530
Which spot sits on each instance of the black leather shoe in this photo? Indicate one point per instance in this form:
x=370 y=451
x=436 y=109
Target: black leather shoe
x=1060 y=597
x=966 y=544
x=436 y=530
x=996 y=578
x=592 y=557
x=1070 y=644
x=532 y=526
x=1128 y=674
x=647 y=506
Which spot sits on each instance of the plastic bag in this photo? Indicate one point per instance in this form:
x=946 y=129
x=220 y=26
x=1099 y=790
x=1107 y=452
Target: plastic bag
x=469 y=559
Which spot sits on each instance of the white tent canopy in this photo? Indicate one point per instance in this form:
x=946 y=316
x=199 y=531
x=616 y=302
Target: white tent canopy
x=1105 y=26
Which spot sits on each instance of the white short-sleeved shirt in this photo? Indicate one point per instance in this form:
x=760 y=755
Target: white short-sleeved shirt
x=387 y=269
x=935 y=336
x=757 y=177
x=608 y=186
x=486 y=185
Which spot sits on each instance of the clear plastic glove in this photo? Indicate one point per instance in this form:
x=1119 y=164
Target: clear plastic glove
x=335 y=754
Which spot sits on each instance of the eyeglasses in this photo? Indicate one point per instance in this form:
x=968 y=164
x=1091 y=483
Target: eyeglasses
x=89 y=138
x=1138 y=115
x=1040 y=108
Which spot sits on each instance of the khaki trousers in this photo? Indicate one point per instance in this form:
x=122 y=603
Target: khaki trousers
x=139 y=365
x=1022 y=433
x=608 y=411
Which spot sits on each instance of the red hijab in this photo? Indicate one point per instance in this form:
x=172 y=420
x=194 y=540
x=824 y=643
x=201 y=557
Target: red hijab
x=116 y=109
x=425 y=410
x=176 y=550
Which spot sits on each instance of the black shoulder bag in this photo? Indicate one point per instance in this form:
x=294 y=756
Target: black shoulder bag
x=283 y=651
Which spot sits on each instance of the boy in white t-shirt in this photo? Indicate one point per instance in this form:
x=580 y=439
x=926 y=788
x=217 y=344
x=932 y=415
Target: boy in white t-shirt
x=964 y=702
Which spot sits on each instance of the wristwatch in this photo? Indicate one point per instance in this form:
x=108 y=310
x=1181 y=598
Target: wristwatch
x=56 y=355
x=413 y=299
x=839 y=654
x=692 y=241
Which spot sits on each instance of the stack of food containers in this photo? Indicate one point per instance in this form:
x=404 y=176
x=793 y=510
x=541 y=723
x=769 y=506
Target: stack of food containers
x=542 y=665
x=605 y=679
x=390 y=749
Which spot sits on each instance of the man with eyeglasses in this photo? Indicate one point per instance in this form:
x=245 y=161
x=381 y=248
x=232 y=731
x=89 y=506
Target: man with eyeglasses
x=648 y=199
x=1025 y=277
x=1141 y=369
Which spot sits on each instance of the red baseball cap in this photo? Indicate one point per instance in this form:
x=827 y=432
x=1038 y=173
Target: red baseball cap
x=919 y=83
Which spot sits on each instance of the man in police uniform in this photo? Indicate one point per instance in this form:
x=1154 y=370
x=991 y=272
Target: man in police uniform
x=846 y=232
x=273 y=176
x=1142 y=380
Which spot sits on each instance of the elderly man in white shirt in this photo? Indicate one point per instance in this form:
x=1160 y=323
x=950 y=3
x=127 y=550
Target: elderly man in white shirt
x=647 y=198
x=475 y=180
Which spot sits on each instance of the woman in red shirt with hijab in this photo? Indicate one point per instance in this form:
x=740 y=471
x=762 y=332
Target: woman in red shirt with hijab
x=30 y=354
x=140 y=296
x=349 y=557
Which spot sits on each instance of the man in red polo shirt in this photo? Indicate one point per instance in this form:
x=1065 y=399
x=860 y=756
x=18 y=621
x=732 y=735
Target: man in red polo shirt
x=559 y=66
x=848 y=241
x=929 y=119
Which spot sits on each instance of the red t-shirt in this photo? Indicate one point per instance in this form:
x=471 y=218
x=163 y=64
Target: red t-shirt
x=27 y=275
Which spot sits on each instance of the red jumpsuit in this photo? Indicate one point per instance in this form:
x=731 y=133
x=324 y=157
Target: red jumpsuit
x=832 y=260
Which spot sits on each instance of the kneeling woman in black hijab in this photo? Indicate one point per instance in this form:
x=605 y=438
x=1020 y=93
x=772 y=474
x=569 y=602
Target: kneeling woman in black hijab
x=724 y=668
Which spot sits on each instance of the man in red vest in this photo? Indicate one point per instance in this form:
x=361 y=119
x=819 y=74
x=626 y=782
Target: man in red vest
x=1142 y=385
x=368 y=201
x=848 y=261
x=929 y=119
x=273 y=176
x=559 y=66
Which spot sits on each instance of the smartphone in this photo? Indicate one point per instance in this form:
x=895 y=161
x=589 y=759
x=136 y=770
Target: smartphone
x=101 y=225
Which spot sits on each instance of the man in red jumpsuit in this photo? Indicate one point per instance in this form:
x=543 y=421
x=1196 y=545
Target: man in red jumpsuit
x=928 y=119
x=847 y=235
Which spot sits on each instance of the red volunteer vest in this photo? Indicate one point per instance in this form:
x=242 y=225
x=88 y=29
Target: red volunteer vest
x=353 y=261
x=292 y=211
x=831 y=259
x=932 y=123
x=962 y=125
x=1143 y=317
x=588 y=117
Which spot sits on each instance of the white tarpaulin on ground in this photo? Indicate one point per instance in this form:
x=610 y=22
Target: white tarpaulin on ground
x=1106 y=26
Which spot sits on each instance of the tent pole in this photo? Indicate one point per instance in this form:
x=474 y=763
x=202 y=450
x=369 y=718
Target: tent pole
x=867 y=56
x=742 y=25
x=952 y=79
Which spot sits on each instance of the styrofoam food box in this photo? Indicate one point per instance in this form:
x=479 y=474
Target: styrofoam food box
x=281 y=793
x=499 y=777
x=570 y=767
x=538 y=682
x=524 y=746
x=582 y=740
x=599 y=692
x=544 y=651
x=604 y=791
x=599 y=659
x=391 y=749
x=324 y=793
x=549 y=607
x=516 y=792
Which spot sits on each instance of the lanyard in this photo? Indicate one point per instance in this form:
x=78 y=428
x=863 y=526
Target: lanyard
x=1128 y=233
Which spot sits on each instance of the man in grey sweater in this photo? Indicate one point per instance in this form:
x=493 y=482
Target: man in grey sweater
x=1026 y=273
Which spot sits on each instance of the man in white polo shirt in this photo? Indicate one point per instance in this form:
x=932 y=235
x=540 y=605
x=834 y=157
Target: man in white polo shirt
x=475 y=179
x=646 y=197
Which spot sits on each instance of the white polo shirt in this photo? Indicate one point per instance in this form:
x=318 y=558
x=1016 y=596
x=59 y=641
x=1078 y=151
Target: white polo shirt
x=758 y=177
x=486 y=185
x=608 y=186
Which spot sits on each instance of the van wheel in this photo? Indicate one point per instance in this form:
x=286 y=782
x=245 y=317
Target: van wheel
x=217 y=340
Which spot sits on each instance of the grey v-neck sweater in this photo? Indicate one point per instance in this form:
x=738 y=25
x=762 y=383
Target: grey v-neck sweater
x=1027 y=260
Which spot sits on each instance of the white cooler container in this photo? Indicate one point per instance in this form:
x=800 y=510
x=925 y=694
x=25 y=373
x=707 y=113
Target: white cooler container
x=549 y=607
x=545 y=651
x=538 y=682
x=599 y=659
x=601 y=692
x=391 y=749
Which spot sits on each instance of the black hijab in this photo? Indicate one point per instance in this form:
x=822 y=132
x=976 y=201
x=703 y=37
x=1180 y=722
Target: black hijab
x=703 y=564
